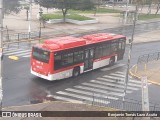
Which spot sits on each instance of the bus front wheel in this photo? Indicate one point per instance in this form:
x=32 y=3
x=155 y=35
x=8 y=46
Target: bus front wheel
x=76 y=71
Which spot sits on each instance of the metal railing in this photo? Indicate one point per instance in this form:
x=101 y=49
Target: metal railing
x=20 y=36
x=148 y=57
x=128 y=104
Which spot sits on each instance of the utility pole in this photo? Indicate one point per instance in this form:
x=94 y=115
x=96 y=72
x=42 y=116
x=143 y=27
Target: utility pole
x=129 y=57
x=1 y=50
x=30 y=17
x=126 y=12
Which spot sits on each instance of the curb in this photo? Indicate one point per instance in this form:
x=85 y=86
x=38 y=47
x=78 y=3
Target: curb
x=59 y=102
x=138 y=77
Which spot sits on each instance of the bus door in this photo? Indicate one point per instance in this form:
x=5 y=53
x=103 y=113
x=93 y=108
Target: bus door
x=121 y=49
x=88 y=59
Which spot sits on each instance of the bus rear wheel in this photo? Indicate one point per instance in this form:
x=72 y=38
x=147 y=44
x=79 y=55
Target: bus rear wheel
x=76 y=71
x=111 y=61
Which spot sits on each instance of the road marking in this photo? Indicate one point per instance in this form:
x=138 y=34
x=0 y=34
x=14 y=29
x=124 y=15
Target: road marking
x=99 y=90
x=113 y=67
x=117 y=78
x=108 y=87
x=10 y=50
x=21 y=54
x=121 y=82
x=27 y=55
x=83 y=98
x=11 y=53
x=91 y=93
x=114 y=85
x=119 y=72
x=67 y=99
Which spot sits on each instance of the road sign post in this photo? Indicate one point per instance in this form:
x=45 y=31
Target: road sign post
x=145 y=99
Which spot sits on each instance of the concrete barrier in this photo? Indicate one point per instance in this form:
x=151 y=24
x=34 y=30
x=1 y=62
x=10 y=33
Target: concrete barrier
x=78 y=22
x=55 y=21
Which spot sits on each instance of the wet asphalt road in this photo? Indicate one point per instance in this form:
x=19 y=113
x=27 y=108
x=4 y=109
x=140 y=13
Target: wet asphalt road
x=18 y=82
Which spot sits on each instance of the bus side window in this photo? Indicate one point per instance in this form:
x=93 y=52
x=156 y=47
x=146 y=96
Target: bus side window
x=121 y=45
x=78 y=56
x=57 y=62
x=67 y=59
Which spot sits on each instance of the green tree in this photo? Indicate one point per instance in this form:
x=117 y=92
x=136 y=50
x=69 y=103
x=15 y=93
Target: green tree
x=65 y=5
x=11 y=6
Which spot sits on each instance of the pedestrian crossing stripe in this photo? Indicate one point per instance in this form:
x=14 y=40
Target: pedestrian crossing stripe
x=18 y=52
x=113 y=67
x=110 y=84
x=120 y=82
x=11 y=50
x=90 y=93
x=23 y=54
x=109 y=88
x=102 y=89
x=21 y=51
x=117 y=78
x=81 y=97
x=99 y=90
x=67 y=99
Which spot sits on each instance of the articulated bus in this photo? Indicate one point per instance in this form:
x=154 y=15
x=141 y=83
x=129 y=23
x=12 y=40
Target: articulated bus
x=65 y=57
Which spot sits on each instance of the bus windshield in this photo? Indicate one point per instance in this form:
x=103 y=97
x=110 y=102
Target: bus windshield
x=41 y=54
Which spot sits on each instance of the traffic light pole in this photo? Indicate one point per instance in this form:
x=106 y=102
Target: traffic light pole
x=1 y=50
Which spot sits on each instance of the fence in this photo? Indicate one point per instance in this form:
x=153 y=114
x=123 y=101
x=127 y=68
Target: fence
x=19 y=36
x=128 y=104
x=148 y=58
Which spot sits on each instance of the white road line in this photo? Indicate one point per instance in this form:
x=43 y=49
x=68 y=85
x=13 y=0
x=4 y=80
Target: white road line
x=91 y=93
x=21 y=54
x=27 y=55
x=121 y=82
x=118 y=78
x=17 y=52
x=11 y=50
x=67 y=99
x=119 y=72
x=109 y=88
x=99 y=90
x=113 y=67
x=118 y=75
x=81 y=97
x=114 y=85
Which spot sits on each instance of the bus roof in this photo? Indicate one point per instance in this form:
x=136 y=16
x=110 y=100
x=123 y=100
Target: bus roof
x=71 y=42
x=63 y=43
x=94 y=38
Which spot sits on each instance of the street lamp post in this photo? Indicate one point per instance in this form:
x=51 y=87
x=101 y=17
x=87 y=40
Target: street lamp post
x=29 y=17
x=40 y=20
x=1 y=51
x=126 y=12
x=129 y=57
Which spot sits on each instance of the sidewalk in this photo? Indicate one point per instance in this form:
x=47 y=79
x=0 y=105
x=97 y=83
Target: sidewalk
x=150 y=69
x=18 y=23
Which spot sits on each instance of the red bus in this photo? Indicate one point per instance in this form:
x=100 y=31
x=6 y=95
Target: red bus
x=65 y=57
